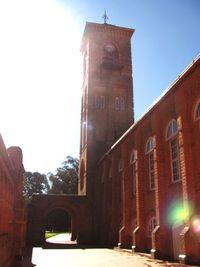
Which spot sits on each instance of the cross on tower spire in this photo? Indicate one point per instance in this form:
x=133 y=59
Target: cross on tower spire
x=105 y=17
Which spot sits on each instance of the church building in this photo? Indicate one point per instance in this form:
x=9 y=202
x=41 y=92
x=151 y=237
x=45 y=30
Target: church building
x=142 y=178
x=139 y=181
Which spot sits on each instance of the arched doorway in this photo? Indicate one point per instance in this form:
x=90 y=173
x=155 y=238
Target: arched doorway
x=58 y=227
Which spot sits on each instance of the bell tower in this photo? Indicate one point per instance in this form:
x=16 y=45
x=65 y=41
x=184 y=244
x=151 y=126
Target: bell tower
x=107 y=95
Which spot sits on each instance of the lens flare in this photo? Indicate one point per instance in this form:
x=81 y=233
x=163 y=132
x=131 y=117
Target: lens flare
x=178 y=213
x=196 y=224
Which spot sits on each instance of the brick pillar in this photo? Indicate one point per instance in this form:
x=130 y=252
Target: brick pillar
x=189 y=241
x=113 y=235
x=125 y=231
x=161 y=246
x=139 y=233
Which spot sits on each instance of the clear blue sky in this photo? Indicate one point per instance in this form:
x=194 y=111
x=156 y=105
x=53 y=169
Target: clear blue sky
x=39 y=84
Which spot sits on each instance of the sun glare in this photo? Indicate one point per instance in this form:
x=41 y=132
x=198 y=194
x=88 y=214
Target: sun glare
x=178 y=213
x=40 y=71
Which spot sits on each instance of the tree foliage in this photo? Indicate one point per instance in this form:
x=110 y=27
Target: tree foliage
x=35 y=182
x=65 y=180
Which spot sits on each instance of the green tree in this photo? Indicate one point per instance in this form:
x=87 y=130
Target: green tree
x=65 y=180
x=35 y=182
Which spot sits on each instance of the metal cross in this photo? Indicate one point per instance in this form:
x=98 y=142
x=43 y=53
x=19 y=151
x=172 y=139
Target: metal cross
x=105 y=17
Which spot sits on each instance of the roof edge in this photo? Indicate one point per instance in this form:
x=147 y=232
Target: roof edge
x=156 y=102
x=91 y=26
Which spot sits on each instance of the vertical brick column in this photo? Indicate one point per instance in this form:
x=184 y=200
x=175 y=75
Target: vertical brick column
x=113 y=235
x=139 y=233
x=125 y=231
x=189 y=242
x=160 y=248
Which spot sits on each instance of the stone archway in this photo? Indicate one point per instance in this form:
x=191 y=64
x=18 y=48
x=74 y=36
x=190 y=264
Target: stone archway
x=77 y=208
x=58 y=222
x=63 y=218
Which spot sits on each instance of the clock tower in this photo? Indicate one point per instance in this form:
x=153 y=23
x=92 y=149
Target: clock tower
x=107 y=95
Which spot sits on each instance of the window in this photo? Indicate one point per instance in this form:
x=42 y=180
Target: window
x=151 y=226
x=100 y=102
x=150 y=145
x=197 y=111
x=172 y=132
x=151 y=172
x=110 y=54
x=119 y=103
x=133 y=156
x=133 y=163
x=172 y=129
x=149 y=151
x=175 y=160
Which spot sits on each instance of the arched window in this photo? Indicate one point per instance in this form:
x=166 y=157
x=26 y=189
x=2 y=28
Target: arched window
x=149 y=145
x=149 y=152
x=172 y=129
x=133 y=158
x=172 y=136
x=197 y=111
x=151 y=225
x=110 y=54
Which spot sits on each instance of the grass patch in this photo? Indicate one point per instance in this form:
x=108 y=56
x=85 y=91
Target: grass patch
x=50 y=234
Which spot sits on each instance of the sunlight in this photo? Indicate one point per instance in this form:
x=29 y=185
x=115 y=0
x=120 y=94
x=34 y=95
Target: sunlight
x=178 y=212
x=40 y=81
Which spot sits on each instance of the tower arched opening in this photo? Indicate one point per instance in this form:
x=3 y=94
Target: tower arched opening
x=58 y=227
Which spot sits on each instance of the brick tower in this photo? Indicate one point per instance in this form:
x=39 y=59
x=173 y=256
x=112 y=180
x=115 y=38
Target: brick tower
x=107 y=95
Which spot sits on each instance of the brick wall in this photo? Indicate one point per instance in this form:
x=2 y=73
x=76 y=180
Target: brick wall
x=12 y=206
x=178 y=104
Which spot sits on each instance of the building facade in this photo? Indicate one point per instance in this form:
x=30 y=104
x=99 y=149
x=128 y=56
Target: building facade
x=143 y=183
x=12 y=206
x=149 y=180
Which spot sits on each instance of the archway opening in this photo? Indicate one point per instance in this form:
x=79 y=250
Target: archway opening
x=58 y=227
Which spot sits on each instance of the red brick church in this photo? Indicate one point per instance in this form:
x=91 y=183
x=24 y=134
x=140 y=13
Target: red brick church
x=142 y=177
x=139 y=182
